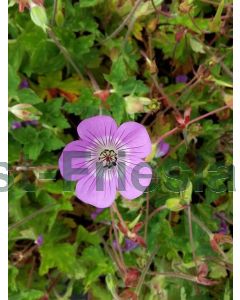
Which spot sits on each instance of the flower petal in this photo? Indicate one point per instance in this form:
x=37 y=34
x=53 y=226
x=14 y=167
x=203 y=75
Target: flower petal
x=98 y=129
x=132 y=138
x=162 y=149
x=100 y=194
x=77 y=157
x=133 y=178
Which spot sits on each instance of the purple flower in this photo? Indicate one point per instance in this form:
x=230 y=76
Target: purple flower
x=223 y=227
x=31 y=122
x=23 y=84
x=130 y=245
x=107 y=158
x=181 y=79
x=16 y=125
x=96 y=213
x=39 y=240
x=162 y=149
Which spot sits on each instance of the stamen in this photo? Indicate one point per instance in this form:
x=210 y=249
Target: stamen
x=108 y=158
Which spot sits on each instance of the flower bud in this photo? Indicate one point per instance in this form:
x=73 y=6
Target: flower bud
x=137 y=104
x=25 y=111
x=162 y=149
x=39 y=16
x=174 y=204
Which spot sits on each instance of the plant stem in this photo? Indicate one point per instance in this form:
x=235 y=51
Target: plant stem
x=55 y=8
x=156 y=211
x=64 y=51
x=147 y=217
x=116 y=238
x=213 y=112
x=168 y=133
x=125 y=21
x=191 y=237
x=115 y=209
x=113 y=257
x=144 y=272
x=32 y=168
x=161 y=91
x=210 y=234
x=177 y=129
x=175 y=275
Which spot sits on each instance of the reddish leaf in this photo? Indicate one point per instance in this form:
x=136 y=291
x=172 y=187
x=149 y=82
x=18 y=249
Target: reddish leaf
x=202 y=270
x=137 y=227
x=205 y=281
x=131 y=277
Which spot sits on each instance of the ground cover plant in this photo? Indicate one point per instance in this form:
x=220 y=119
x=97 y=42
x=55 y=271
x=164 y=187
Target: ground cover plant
x=152 y=79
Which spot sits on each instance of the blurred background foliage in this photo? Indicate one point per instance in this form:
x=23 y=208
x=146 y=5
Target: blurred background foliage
x=160 y=63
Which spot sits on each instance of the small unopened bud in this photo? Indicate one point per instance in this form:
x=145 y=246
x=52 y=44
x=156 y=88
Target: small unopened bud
x=174 y=204
x=136 y=104
x=25 y=111
x=38 y=15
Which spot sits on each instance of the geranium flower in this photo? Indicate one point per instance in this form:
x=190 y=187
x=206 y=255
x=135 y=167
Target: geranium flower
x=107 y=159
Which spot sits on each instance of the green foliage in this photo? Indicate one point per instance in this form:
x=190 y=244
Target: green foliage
x=79 y=59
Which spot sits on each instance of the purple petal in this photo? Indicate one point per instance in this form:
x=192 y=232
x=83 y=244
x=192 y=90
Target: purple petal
x=98 y=129
x=16 y=125
x=97 y=188
x=132 y=139
x=24 y=84
x=223 y=228
x=96 y=213
x=181 y=79
x=39 y=240
x=162 y=149
x=134 y=177
x=129 y=245
x=31 y=122
x=114 y=244
x=76 y=160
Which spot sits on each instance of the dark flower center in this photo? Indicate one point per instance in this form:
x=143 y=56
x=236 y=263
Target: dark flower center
x=108 y=158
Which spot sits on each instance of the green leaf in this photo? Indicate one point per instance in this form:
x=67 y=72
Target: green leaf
x=29 y=138
x=13 y=82
x=86 y=106
x=89 y=237
x=33 y=150
x=217 y=272
x=90 y=3
x=51 y=113
x=29 y=294
x=50 y=140
x=117 y=107
x=60 y=256
x=28 y=96
x=25 y=135
x=12 y=276
x=216 y=22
